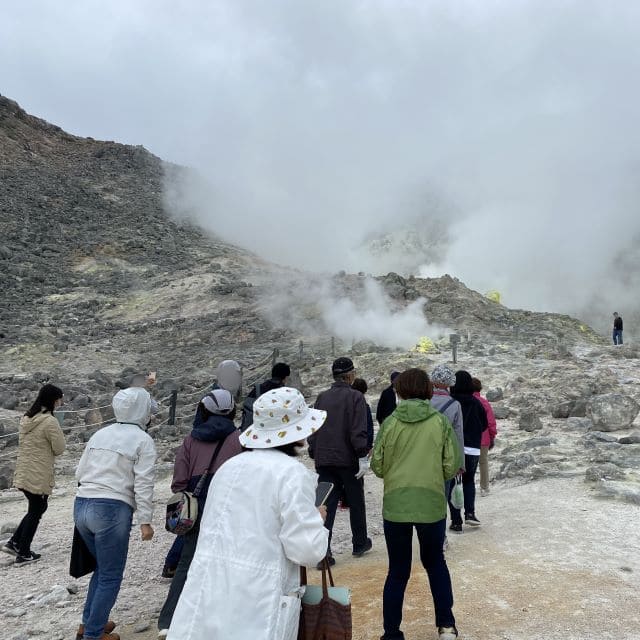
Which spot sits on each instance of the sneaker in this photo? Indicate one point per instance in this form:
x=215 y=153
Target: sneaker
x=22 y=560
x=455 y=527
x=108 y=628
x=163 y=633
x=484 y=492
x=472 y=520
x=447 y=633
x=10 y=547
x=358 y=553
x=330 y=560
x=168 y=572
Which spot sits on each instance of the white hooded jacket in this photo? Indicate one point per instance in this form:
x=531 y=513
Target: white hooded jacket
x=118 y=461
x=259 y=525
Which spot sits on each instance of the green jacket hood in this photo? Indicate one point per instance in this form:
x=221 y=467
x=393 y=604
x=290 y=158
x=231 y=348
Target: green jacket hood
x=414 y=410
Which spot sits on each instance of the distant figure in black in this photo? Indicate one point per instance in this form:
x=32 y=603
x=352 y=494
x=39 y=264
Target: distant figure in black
x=617 y=328
x=388 y=401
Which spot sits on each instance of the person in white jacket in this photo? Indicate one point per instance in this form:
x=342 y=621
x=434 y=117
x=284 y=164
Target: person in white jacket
x=115 y=478
x=259 y=525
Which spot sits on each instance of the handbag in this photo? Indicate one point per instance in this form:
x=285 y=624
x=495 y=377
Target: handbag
x=457 y=494
x=182 y=507
x=82 y=560
x=326 y=611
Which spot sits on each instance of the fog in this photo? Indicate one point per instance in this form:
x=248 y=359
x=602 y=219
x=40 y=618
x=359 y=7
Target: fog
x=495 y=141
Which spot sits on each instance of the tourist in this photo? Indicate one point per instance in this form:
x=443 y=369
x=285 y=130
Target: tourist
x=474 y=421
x=617 y=328
x=115 y=479
x=40 y=440
x=415 y=449
x=361 y=385
x=488 y=437
x=259 y=526
x=340 y=453
x=280 y=373
x=213 y=428
x=387 y=402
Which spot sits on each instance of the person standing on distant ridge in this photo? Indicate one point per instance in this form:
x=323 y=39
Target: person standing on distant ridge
x=339 y=451
x=617 y=328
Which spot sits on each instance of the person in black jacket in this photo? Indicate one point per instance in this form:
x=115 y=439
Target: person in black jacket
x=387 y=403
x=474 y=422
x=617 y=328
x=339 y=451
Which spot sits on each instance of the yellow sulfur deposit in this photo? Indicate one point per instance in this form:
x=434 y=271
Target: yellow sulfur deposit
x=425 y=345
x=493 y=295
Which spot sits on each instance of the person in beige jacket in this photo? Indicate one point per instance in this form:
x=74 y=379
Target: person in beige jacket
x=40 y=441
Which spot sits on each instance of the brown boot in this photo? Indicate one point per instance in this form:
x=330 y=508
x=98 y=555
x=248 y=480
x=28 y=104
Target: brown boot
x=108 y=628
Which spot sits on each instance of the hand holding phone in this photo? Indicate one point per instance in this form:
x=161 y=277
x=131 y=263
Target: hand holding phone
x=323 y=491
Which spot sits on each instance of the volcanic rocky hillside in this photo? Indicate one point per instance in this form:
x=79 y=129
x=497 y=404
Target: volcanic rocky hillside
x=98 y=281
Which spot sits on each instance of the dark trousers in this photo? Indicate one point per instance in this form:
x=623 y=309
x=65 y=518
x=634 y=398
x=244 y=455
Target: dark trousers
x=469 y=488
x=23 y=536
x=345 y=482
x=173 y=557
x=177 y=582
x=398 y=536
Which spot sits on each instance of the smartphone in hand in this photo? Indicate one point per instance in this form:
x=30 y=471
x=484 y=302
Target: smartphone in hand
x=323 y=491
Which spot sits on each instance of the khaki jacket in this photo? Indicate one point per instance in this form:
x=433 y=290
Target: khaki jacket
x=40 y=440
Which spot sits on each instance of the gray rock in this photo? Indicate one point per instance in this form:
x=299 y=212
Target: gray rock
x=599 y=436
x=579 y=409
x=581 y=424
x=632 y=438
x=501 y=412
x=529 y=422
x=562 y=409
x=541 y=441
x=606 y=471
x=612 y=411
x=56 y=594
x=514 y=468
x=8 y=400
x=493 y=395
x=141 y=627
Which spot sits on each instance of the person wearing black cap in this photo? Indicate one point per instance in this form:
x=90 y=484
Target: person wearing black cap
x=339 y=451
x=388 y=400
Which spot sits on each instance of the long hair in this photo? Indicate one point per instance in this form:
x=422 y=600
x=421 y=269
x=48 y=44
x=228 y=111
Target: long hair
x=46 y=400
x=463 y=385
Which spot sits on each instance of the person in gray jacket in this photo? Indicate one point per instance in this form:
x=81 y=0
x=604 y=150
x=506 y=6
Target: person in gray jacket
x=339 y=451
x=443 y=379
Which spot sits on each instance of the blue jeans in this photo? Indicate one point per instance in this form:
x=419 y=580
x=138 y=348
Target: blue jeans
x=469 y=488
x=173 y=557
x=617 y=336
x=398 y=536
x=105 y=526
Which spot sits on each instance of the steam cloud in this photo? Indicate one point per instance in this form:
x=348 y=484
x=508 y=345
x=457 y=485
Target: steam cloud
x=497 y=141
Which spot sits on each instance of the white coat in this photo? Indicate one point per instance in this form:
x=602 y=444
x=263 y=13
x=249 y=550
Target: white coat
x=259 y=525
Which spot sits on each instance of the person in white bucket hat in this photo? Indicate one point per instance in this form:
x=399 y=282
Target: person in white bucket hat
x=259 y=525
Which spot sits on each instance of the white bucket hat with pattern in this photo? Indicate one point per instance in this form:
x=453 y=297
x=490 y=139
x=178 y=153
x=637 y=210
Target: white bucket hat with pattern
x=281 y=416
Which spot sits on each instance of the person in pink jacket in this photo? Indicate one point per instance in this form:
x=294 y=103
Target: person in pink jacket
x=488 y=438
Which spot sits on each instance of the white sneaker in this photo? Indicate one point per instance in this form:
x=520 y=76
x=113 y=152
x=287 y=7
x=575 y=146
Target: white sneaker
x=163 y=633
x=447 y=633
x=484 y=492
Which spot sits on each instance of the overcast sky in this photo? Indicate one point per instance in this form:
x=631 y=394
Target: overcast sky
x=515 y=124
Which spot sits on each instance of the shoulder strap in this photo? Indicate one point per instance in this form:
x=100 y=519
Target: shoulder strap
x=208 y=472
x=447 y=405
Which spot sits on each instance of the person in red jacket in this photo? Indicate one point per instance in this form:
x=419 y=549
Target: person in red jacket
x=488 y=438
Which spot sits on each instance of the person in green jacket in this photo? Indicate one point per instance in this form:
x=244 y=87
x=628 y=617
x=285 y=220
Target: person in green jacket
x=415 y=452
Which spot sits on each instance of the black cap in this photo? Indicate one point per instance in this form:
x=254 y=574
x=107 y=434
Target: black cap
x=342 y=365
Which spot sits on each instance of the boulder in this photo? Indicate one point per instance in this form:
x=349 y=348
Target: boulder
x=8 y=400
x=612 y=411
x=582 y=424
x=606 y=471
x=632 y=438
x=493 y=395
x=501 y=412
x=562 y=409
x=579 y=409
x=529 y=422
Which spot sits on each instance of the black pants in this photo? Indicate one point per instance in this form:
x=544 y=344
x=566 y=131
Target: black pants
x=177 y=582
x=345 y=482
x=398 y=536
x=469 y=488
x=23 y=536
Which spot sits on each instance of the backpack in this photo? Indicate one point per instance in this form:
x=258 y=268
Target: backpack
x=182 y=507
x=247 y=409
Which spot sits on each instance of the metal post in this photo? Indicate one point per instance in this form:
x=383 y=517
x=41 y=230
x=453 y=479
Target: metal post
x=454 y=341
x=300 y=351
x=274 y=356
x=172 y=407
x=333 y=347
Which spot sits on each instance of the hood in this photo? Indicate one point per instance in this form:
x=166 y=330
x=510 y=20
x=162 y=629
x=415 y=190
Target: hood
x=29 y=424
x=229 y=376
x=211 y=430
x=414 y=410
x=132 y=406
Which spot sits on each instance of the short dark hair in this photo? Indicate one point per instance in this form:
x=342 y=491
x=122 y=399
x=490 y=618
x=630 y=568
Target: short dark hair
x=464 y=383
x=414 y=384
x=292 y=449
x=280 y=371
x=360 y=385
x=477 y=385
x=45 y=401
